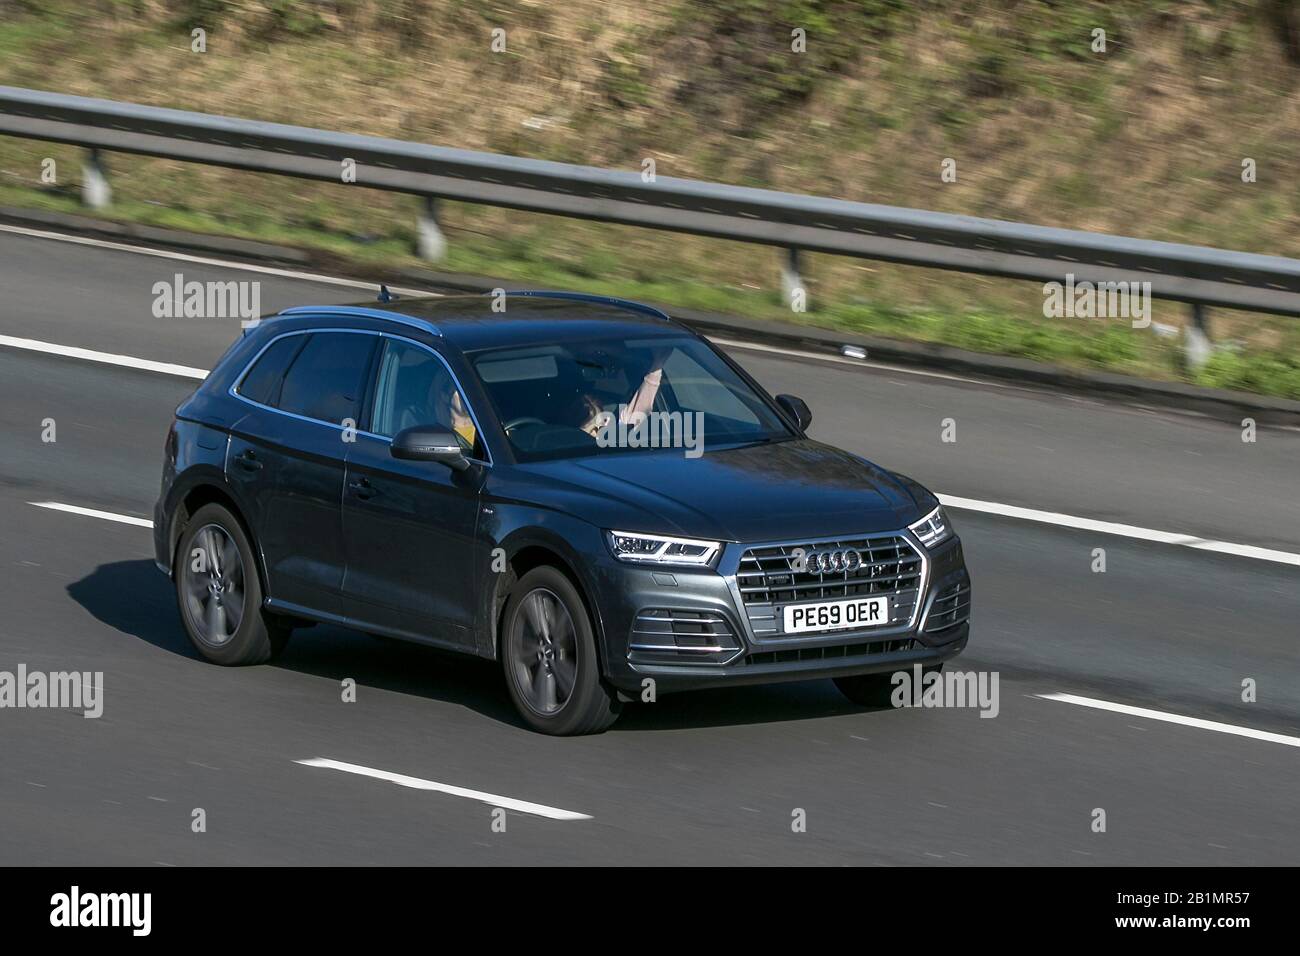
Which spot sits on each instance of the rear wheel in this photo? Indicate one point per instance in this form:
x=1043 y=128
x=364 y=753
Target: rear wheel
x=874 y=690
x=220 y=593
x=548 y=652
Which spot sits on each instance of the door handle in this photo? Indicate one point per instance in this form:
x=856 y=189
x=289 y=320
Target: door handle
x=248 y=461
x=362 y=488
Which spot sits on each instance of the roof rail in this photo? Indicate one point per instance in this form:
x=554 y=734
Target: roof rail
x=628 y=304
x=414 y=322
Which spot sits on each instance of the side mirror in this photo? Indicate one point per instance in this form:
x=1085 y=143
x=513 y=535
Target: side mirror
x=429 y=443
x=797 y=409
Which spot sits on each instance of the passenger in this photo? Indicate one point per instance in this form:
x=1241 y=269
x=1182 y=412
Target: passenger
x=449 y=409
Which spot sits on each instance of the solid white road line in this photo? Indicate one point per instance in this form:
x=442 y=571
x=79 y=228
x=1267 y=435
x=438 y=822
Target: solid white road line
x=107 y=358
x=1123 y=530
x=1174 y=719
x=207 y=260
x=860 y=363
x=416 y=783
x=92 y=513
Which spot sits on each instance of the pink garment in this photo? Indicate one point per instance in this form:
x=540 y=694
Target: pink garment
x=644 y=399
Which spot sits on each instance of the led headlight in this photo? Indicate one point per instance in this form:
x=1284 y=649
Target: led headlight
x=933 y=528
x=660 y=549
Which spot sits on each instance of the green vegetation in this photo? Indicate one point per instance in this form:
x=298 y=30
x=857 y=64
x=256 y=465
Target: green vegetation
x=1146 y=139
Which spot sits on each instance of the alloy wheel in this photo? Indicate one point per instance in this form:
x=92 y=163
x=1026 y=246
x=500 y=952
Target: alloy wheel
x=544 y=652
x=213 y=578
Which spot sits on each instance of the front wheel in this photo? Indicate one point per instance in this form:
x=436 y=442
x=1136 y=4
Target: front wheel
x=220 y=594
x=874 y=690
x=548 y=652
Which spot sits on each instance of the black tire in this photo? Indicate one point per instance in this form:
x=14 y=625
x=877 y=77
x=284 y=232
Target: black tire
x=874 y=690
x=221 y=606
x=541 y=655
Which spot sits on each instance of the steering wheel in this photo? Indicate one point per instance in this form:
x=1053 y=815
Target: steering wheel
x=523 y=420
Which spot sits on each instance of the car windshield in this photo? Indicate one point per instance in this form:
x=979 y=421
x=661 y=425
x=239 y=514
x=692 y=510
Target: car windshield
x=613 y=395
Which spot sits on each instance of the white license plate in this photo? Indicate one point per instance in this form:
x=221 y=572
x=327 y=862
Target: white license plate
x=836 y=615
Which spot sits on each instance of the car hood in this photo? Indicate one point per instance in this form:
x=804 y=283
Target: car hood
x=768 y=492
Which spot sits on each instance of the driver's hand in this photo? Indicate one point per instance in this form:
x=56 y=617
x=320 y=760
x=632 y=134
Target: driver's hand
x=597 y=423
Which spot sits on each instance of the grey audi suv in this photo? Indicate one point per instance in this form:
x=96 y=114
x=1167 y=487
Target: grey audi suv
x=575 y=486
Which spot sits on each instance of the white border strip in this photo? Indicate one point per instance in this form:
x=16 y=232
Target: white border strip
x=416 y=783
x=1196 y=722
x=1123 y=530
x=92 y=513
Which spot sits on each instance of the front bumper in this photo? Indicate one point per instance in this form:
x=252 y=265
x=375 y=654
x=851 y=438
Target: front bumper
x=728 y=646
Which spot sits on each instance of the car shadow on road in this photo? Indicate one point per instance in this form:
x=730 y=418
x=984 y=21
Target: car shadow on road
x=738 y=706
x=133 y=597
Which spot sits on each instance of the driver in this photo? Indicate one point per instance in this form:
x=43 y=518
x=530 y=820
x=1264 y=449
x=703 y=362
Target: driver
x=588 y=414
x=593 y=417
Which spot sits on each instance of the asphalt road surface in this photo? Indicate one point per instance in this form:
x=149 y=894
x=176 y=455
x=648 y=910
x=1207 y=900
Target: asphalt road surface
x=1164 y=638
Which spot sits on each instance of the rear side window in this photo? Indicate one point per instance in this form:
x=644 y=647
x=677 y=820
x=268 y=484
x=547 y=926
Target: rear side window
x=262 y=383
x=327 y=378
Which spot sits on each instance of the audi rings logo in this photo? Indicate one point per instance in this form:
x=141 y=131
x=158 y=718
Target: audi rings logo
x=837 y=562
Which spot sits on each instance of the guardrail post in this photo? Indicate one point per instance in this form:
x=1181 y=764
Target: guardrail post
x=95 y=191
x=1197 y=346
x=432 y=244
x=792 y=290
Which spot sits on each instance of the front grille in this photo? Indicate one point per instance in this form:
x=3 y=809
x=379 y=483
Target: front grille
x=768 y=579
x=949 y=609
x=667 y=635
x=831 y=653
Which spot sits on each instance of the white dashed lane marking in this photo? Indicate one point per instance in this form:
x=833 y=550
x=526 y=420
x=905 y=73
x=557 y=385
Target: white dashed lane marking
x=416 y=783
x=1197 y=722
